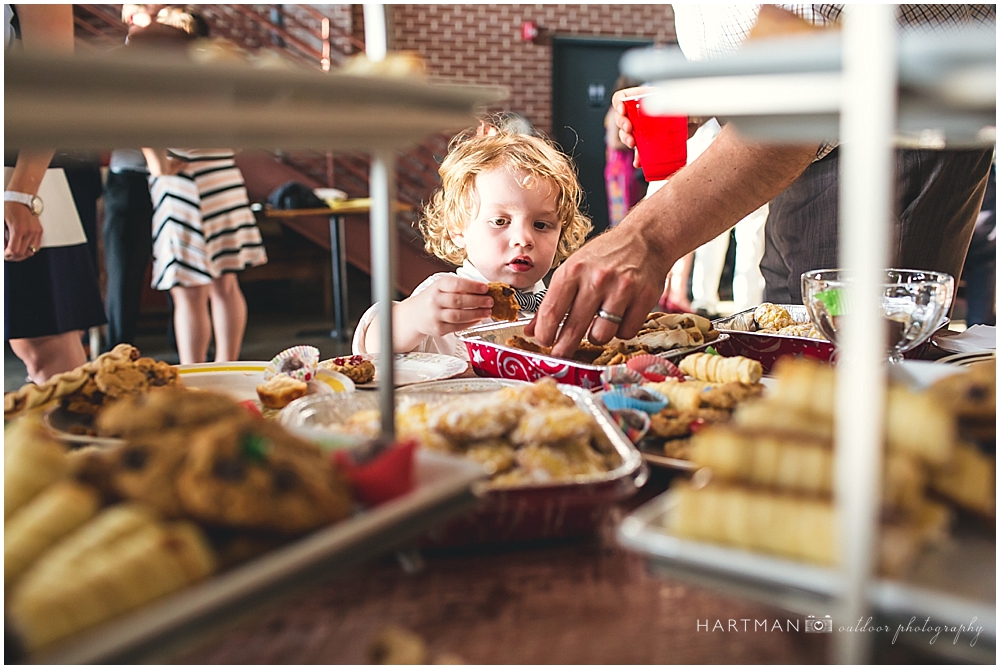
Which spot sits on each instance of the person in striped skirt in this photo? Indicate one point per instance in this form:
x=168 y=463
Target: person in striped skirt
x=203 y=234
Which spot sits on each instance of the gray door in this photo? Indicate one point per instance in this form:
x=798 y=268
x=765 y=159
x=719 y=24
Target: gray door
x=583 y=77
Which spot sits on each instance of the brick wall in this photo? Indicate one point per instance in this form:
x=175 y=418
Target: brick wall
x=482 y=44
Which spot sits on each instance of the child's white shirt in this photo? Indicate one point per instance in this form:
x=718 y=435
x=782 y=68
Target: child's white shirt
x=448 y=344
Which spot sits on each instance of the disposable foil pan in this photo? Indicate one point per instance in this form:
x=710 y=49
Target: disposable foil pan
x=491 y=357
x=767 y=347
x=525 y=512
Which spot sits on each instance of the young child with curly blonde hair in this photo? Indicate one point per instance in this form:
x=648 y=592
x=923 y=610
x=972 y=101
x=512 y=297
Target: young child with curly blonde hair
x=508 y=210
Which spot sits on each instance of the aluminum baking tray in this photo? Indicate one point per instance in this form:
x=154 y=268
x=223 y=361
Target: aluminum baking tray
x=491 y=357
x=158 y=630
x=514 y=513
x=767 y=347
x=954 y=583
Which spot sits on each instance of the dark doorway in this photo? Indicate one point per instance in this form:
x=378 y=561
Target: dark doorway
x=583 y=77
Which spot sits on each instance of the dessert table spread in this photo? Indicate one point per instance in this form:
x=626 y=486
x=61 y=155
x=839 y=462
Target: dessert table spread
x=576 y=601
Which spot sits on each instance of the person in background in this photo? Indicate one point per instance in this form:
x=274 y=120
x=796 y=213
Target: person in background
x=203 y=234
x=128 y=220
x=710 y=257
x=623 y=182
x=508 y=210
x=51 y=293
x=980 y=270
x=619 y=275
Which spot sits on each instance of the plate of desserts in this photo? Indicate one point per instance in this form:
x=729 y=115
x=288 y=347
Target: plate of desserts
x=409 y=368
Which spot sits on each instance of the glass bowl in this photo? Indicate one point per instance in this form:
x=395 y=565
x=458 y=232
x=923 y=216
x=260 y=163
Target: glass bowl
x=914 y=303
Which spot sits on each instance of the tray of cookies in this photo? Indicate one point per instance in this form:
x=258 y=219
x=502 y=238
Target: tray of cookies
x=204 y=511
x=500 y=350
x=558 y=461
x=771 y=331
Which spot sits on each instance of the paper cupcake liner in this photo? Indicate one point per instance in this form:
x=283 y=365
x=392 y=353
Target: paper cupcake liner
x=653 y=368
x=298 y=362
x=634 y=424
x=616 y=400
x=618 y=376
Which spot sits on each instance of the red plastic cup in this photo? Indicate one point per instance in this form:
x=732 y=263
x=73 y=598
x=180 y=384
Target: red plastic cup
x=660 y=140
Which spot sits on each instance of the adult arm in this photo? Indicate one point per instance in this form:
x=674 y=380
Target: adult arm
x=160 y=163
x=43 y=28
x=623 y=270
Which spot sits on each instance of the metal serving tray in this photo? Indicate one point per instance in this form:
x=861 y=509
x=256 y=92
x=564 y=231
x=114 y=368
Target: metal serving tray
x=491 y=357
x=512 y=513
x=954 y=584
x=767 y=347
x=158 y=630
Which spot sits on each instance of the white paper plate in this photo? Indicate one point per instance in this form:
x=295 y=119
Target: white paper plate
x=240 y=379
x=413 y=368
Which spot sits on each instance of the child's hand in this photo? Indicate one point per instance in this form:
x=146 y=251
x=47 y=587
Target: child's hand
x=450 y=304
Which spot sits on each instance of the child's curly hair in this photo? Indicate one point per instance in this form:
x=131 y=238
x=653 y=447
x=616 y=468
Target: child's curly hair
x=454 y=204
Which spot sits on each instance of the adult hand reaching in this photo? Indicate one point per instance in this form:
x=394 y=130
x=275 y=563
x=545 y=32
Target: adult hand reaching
x=622 y=272
x=618 y=275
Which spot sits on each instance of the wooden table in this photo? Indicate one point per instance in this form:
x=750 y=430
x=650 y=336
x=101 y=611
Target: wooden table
x=567 y=602
x=341 y=329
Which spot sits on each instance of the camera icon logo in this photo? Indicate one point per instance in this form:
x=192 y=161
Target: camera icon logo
x=820 y=625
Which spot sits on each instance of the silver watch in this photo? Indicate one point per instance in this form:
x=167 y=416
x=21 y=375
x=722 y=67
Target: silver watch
x=32 y=202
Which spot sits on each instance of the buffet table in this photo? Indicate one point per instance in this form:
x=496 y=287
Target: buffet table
x=584 y=601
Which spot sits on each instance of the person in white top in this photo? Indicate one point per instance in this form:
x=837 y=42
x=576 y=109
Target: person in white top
x=508 y=210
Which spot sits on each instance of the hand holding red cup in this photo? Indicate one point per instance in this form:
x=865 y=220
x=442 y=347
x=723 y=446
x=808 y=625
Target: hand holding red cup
x=660 y=140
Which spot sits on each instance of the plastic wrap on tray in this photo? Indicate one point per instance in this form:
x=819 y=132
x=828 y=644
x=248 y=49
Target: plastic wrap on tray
x=490 y=356
x=523 y=512
x=768 y=347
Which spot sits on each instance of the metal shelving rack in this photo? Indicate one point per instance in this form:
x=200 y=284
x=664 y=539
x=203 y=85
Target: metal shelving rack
x=100 y=102
x=872 y=90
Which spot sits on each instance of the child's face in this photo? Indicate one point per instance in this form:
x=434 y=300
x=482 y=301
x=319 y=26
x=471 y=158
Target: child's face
x=514 y=235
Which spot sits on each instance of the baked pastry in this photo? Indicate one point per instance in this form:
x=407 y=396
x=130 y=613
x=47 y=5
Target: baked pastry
x=51 y=515
x=278 y=391
x=718 y=369
x=145 y=469
x=355 y=367
x=542 y=393
x=505 y=306
x=121 y=559
x=162 y=409
x=475 y=419
x=771 y=317
x=799 y=527
x=524 y=344
x=62 y=385
x=32 y=461
x=972 y=395
x=969 y=481
x=252 y=474
x=552 y=424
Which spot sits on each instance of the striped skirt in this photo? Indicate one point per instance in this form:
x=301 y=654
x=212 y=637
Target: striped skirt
x=202 y=223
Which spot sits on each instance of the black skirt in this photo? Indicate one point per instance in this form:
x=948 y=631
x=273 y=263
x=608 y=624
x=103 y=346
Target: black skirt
x=53 y=292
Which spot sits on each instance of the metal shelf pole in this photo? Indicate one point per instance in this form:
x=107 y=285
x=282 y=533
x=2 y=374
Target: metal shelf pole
x=868 y=116
x=384 y=277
